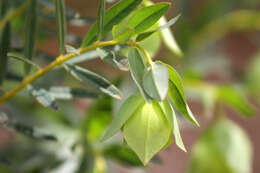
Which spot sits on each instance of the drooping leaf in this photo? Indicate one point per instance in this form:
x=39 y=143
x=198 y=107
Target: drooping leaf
x=122 y=155
x=155 y=81
x=146 y=17
x=113 y=16
x=43 y=97
x=137 y=69
x=176 y=93
x=4 y=47
x=171 y=116
x=30 y=33
x=145 y=35
x=147 y=131
x=66 y=93
x=94 y=79
x=122 y=33
x=114 y=59
x=61 y=24
x=235 y=99
x=224 y=147
x=100 y=20
x=21 y=58
x=127 y=109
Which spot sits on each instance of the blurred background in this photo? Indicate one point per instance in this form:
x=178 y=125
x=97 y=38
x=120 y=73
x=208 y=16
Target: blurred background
x=220 y=41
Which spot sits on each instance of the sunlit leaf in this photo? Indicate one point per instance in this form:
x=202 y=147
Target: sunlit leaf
x=176 y=93
x=61 y=24
x=146 y=17
x=155 y=81
x=125 y=112
x=122 y=33
x=70 y=49
x=114 y=59
x=224 y=147
x=4 y=47
x=137 y=69
x=147 y=131
x=113 y=16
x=30 y=33
x=94 y=79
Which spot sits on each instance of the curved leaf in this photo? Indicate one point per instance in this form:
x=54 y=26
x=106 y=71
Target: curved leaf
x=122 y=33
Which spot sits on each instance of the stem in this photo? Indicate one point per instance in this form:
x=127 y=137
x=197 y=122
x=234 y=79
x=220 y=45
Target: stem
x=146 y=54
x=13 y=14
x=59 y=61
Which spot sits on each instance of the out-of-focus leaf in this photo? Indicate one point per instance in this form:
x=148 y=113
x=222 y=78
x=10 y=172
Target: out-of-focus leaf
x=146 y=17
x=4 y=47
x=70 y=49
x=3 y=119
x=61 y=24
x=144 y=35
x=66 y=93
x=100 y=20
x=43 y=97
x=176 y=93
x=237 y=101
x=114 y=59
x=113 y=16
x=122 y=33
x=147 y=131
x=125 y=112
x=30 y=33
x=122 y=155
x=21 y=58
x=94 y=79
x=224 y=147
x=155 y=81
x=137 y=69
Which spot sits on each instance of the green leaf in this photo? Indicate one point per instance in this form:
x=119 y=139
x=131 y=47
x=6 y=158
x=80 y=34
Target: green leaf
x=30 y=33
x=94 y=79
x=172 y=119
x=146 y=17
x=100 y=20
x=122 y=33
x=21 y=58
x=113 y=16
x=127 y=110
x=122 y=155
x=114 y=59
x=66 y=93
x=61 y=24
x=145 y=35
x=155 y=81
x=43 y=97
x=147 y=131
x=237 y=101
x=176 y=93
x=224 y=147
x=137 y=69
x=4 y=47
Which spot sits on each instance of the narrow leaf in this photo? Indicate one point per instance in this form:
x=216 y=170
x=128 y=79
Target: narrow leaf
x=4 y=47
x=122 y=33
x=30 y=33
x=113 y=16
x=66 y=93
x=147 y=131
x=94 y=79
x=137 y=69
x=155 y=81
x=127 y=109
x=100 y=20
x=21 y=58
x=70 y=49
x=146 y=17
x=61 y=24
x=235 y=99
x=114 y=59
x=43 y=97
x=176 y=93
